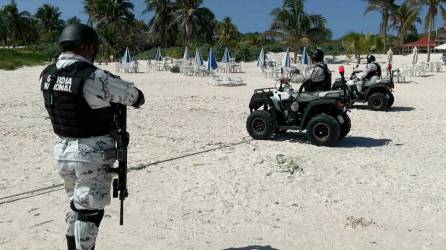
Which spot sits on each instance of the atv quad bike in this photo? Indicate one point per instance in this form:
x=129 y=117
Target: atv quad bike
x=322 y=114
x=377 y=93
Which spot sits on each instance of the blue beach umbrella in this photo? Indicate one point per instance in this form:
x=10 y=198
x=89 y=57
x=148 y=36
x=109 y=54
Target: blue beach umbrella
x=127 y=58
x=261 y=62
x=212 y=60
x=305 y=57
x=158 y=56
x=186 y=55
x=226 y=56
x=198 y=60
x=286 y=62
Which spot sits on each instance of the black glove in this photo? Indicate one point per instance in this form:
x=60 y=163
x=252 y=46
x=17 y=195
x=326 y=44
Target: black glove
x=140 y=101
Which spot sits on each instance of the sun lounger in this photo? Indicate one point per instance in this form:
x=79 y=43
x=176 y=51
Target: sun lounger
x=226 y=81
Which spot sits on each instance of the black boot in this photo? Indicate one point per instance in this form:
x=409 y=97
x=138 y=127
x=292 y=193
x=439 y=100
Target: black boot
x=71 y=243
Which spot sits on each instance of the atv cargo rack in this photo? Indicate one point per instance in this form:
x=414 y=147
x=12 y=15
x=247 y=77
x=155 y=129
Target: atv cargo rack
x=264 y=90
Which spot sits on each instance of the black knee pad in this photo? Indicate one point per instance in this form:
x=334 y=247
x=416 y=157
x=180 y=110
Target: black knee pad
x=94 y=216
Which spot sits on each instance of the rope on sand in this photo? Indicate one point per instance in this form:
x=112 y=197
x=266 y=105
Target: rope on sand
x=59 y=187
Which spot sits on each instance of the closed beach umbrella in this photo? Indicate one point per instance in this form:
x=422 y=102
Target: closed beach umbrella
x=226 y=56
x=127 y=58
x=186 y=55
x=286 y=62
x=389 y=56
x=158 y=56
x=212 y=60
x=305 y=57
x=415 y=55
x=261 y=62
x=198 y=60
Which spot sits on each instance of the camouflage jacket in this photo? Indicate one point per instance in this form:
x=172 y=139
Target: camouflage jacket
x=99 y=91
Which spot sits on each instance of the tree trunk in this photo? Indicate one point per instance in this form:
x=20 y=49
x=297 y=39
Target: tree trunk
x=429 y=39
x=384 y=28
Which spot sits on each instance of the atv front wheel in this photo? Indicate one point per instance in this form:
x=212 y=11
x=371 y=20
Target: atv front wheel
x=260 y=125
x=323 y=130
x=346 y=126
x=378 y=101
x=391 y=100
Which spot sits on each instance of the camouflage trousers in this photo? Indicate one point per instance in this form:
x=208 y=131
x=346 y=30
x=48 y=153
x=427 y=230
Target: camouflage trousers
x=88 y=186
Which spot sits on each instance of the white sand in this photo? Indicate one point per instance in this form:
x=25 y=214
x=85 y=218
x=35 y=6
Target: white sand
x=382 y=187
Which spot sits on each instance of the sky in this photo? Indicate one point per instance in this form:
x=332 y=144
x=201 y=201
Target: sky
x=343 y=16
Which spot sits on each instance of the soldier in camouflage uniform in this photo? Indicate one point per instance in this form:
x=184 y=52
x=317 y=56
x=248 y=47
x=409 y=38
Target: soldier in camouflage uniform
x=79 y=99
x=371 y=74
x=320 y=78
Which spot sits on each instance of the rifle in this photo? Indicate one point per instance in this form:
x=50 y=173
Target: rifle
x=122 y=138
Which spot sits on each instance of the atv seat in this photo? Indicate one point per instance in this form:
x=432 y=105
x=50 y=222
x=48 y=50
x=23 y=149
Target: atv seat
x=307 y=96
x=311 y=96
x=331 y=94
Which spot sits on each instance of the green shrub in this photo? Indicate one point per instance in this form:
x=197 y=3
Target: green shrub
x=11 y=59
x=175 y=69
x=8 y=66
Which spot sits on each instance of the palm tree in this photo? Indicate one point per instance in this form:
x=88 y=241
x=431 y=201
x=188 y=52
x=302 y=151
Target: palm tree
x=113 y=19
x=48 y=17
x=404 y=20
x=190 y=17
x=207 y=33
x=433 y=9
x=296 y=27
x=73 y=20
x=387 y=8
x=112 y=12
x=227 y=31
x=3 y=28
x=443 y=13
x=18 y=23
x=161 y=21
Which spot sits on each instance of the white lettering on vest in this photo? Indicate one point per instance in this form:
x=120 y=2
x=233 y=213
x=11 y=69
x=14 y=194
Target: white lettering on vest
x=63 y=84
x=47 y=82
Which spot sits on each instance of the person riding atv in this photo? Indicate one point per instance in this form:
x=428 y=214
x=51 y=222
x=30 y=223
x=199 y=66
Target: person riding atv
x=372 y=72
x=369 y=88
x=320 y=78
x=275 y=110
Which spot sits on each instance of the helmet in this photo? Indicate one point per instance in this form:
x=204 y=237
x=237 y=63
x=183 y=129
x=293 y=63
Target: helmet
x=318 y=55
x=76 y=34
x=371 y=58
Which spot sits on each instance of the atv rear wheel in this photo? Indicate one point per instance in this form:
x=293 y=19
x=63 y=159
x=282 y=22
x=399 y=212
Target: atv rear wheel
x=345 y=127
x=323 y=130
x=378 y=102
x=260 y=125
x=391 y=100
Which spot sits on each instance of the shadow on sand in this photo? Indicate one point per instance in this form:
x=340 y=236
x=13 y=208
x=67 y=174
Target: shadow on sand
x=363 y=142
x=347 y=142
x=299 y=137
x=392 y=109
x=401 y=109
x=252 y=248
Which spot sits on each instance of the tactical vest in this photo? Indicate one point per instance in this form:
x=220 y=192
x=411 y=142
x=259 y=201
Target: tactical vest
x=376 y=72
x=70 y=114
x=324 y=85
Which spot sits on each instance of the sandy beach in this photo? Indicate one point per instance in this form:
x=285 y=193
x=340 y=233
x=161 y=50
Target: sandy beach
x=382 y=187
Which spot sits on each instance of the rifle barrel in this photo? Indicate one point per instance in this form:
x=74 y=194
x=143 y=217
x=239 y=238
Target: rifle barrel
x=121 y=213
